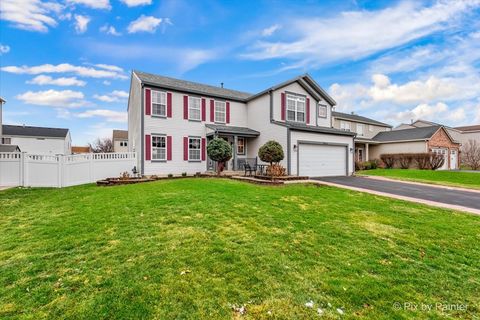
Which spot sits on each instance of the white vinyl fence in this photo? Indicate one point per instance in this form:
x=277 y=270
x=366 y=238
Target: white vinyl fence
x=36 y=170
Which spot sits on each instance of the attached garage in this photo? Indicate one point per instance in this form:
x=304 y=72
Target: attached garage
x=322 y=160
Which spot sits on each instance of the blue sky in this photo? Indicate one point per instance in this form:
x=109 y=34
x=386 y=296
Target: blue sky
x=68 y=63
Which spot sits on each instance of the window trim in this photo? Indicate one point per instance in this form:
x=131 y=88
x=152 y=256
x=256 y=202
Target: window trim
x=158 y=135
x=244 y=146
x=346 y=122
x=199 y=149
x=320 y=105
x=153 y=114
x=363 y=129
x=224 y=111
x=199 y=108
x=295 y=110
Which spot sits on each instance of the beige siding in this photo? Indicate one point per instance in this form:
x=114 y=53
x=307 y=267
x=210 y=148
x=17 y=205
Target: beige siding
x=369 y=130
x=397 y=147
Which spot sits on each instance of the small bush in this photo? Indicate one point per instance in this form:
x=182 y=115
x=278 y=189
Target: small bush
x=170 y=175
x=275 y=170
x=154 y=177
x=436 y=161
x=184 y=174
x=271 y=152
x=388 y=160
x=358 y=166
x=422 y=160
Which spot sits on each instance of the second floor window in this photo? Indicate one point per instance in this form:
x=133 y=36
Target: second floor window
x=295 y=108
x=360 y=129
x=194 y=108
x=345 y=125
x=194 y=149
x=159 y=148
x=6 y=141
x=159 y=103
x=322 y=111
x=220 y=111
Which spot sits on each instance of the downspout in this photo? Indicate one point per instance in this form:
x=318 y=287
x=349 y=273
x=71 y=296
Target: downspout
x=142 y=130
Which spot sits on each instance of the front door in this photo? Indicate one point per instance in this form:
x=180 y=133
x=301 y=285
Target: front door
x=453 y=159
x=359 y=154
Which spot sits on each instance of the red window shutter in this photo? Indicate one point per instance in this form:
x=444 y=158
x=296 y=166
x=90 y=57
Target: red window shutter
x=169 y=148
x=212 y=111
x=204 y=149
x=148 y=102
x=185 y=148
x=283 y=105
x=204 y=110
x=169 y=104
x=308 y=111
x=185 y=107
x=228 y=112
x=148 y=147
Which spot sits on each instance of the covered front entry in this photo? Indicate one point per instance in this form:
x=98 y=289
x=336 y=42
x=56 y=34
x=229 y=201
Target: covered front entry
x=238 y=138
x=322 y=160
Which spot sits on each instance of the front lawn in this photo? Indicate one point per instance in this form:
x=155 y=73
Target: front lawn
x=203 y=248
x=448 y=178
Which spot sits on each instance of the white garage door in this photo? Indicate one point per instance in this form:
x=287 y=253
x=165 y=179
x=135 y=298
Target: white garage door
x=322 y=160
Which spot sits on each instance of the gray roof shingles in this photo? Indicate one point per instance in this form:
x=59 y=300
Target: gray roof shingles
x=193 y=87
x=421 y=133
x=233 y=130
x=10 y=130
x=9 y=148
x=355 y=117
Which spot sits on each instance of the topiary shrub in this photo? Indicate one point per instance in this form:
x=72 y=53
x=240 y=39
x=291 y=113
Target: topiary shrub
x=272 y=152
x=220 y=151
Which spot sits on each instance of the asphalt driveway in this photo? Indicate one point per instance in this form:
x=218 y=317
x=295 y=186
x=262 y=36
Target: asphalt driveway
x=422 y=192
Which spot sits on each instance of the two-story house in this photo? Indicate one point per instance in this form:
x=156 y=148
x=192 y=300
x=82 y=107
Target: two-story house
x=365 y=128
x=120 y=140
x=171 y=121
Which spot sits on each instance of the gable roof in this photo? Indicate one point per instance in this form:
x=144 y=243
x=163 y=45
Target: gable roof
x=120 y=134
x=189 y=86
x=355 y=117
x=9 y=148
x=420 y=133
x=29 y=131
x=233 y=130
x=469 y=128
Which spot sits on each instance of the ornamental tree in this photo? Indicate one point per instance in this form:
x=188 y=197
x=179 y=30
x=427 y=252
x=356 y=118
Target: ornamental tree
x=220 y=151
x=271 y=152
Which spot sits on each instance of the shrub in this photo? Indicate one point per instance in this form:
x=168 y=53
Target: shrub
x=271 y=152
x=184 y=174
x=436 y=161
x=220 y=151
x=153 y=177
x=471 y=155
x=275 y=170
x=422 y=160
x=358 y=166
x=170 y=175
x=405 y=160
x=388 y=160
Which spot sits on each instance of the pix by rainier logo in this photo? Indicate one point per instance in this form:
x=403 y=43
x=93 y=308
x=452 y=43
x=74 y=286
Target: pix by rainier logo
x=430 y=307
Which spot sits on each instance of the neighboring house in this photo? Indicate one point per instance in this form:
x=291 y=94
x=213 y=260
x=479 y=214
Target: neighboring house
x=81 y=149
x=120 y=141
x=170 y=122
x=9 y=148
x=365 y=129
x=468 y=133
x=38 y=140
x=416 y=140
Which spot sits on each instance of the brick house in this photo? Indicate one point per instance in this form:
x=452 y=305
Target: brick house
x=416 y=140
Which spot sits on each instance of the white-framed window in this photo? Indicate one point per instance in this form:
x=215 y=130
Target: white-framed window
x=6 y=140
x=220 y=111
x=360 y=129
x=159 y=147
x=194 y=149
x=322 y=111
x=345 y=125
x=295 y=108
x=159 y=103
x=194 y=112
x=123 y=143
x=241 y=146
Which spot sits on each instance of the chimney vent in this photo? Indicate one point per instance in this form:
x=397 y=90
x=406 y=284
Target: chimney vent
x=221 y=84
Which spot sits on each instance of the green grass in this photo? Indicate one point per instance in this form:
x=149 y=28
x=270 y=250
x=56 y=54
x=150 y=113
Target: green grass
x=192 y=248
x=447 y=178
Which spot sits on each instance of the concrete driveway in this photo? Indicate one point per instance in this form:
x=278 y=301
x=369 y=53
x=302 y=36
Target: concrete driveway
x=432 y=195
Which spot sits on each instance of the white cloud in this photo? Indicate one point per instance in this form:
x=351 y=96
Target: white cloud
x=65 y=68
x=358 y=34
x=108 y=67
x=95 y=4
x=108 y=115
x=81 y=23
x=4 y=49
x=422 y=111
x=31 y=15
x=53 y=98
x=114 y=96
x=63 y=81
x=147 y=24
x=134 y=3
x=110 y=30
x=270 y=30
x=106 y=82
